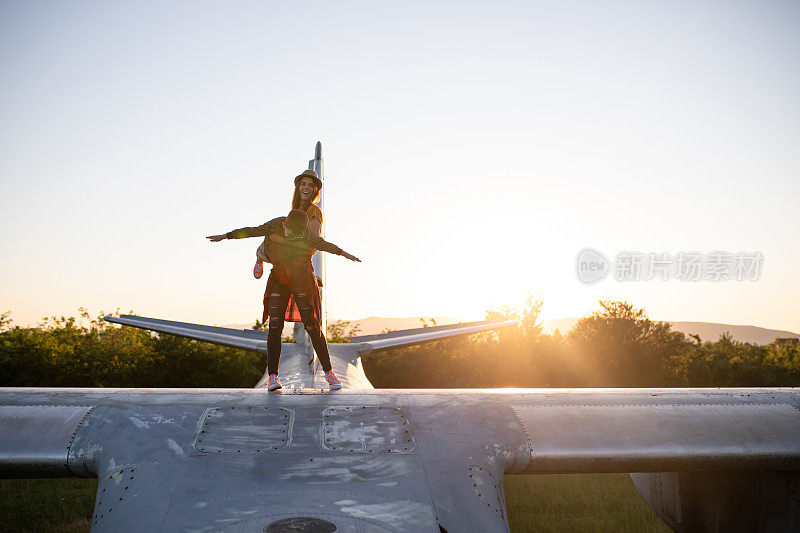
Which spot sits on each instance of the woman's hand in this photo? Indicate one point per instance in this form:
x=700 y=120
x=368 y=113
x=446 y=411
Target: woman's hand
x=350 y=257
x=215 y=238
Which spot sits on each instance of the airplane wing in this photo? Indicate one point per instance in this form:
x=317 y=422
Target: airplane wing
x=410 y=337
x=296 y=370
x=245 y=339
x=256 y=341
x=551 y=430
x=374 y=460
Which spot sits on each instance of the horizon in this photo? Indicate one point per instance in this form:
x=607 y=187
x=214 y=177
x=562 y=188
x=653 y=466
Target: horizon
x=549 y=325
x=438 y=318
x=471 y=153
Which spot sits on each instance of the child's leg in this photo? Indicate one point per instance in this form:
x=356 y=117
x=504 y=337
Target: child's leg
x=261 y=252
x=261 y=256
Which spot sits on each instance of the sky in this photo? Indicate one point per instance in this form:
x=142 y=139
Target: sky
x=472 y=150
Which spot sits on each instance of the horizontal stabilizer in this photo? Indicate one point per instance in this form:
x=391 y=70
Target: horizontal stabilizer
x=410 y=337
x=245 y=339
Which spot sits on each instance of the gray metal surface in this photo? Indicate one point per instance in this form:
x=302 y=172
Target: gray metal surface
x=297 y=373
x=414 y=337
x=255 y=341
x=410 y=337
x=345 y=456
x=366 y=429
x=416 y=331
x=683 y=433
x=244 y=339
x=35 y=440
x=244 y=430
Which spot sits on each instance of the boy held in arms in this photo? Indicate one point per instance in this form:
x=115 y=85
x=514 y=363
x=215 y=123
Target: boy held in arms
x=292 y=293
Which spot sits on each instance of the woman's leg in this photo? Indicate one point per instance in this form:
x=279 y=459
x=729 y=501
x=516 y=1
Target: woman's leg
x=278 y=299
x=314 y=330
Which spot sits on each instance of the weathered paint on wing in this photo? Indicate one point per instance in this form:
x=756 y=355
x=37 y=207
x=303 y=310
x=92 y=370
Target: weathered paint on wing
x=382 y=459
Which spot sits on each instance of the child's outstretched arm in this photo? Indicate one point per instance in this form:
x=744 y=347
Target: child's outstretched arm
x=257 y=231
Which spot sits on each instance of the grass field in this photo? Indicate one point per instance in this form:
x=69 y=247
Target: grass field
x=596 y=502
x=63 y=505
x=578 y=502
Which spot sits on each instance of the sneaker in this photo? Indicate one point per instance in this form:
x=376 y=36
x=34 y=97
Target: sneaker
x=258 y=270
x=333 y=381
x=274 y=383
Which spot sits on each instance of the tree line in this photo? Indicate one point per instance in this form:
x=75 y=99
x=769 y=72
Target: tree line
x=616 y=346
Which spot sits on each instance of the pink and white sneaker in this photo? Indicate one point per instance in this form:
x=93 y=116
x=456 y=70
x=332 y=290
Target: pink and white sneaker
x=258 y=270
x=333 y=381
x=274 y=383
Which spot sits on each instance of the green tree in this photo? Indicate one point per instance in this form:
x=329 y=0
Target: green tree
x=341 y=331
x=5 y=320
x=620 y=346
x=527 y=315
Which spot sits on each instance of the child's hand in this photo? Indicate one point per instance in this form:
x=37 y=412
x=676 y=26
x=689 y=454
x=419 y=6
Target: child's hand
x=215 y=238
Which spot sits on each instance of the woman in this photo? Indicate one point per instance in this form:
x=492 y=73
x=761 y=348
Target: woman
x=291 y=285
x=307 y=186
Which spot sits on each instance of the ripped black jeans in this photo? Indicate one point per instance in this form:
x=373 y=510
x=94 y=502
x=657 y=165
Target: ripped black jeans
x=278 y=299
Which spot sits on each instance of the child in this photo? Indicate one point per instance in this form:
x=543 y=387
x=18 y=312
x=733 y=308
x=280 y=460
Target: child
x=292 y=292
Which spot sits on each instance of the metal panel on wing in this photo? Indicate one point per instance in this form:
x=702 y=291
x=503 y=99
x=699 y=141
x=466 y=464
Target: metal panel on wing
x=619 y=438
x=366 y=429
x=35 y=439
x=251 y=429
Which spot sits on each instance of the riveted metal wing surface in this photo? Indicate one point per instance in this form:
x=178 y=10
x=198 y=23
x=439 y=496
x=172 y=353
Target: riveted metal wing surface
x=381 y=459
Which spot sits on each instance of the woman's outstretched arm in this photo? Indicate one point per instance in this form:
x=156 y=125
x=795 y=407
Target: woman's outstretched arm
x=325 y=246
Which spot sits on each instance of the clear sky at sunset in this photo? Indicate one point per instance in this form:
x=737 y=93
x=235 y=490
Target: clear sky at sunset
x=471 y=151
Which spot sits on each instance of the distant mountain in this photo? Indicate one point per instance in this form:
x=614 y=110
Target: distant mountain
x=563 y=325
x=377 y=324
x=708 y=331
x=752 y=334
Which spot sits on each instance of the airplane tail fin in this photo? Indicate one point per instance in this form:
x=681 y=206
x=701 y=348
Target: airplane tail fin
x=318 y=261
